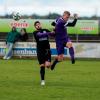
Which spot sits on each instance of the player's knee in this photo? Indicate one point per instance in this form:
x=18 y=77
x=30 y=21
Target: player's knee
x=69 y=45
x=47 y=64
x=60 y=58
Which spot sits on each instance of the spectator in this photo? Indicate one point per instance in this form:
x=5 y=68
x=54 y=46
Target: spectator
x=10 y=40
x=23 y=35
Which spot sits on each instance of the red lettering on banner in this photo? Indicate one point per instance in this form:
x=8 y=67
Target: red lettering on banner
x=19 y=24
x=87 y=28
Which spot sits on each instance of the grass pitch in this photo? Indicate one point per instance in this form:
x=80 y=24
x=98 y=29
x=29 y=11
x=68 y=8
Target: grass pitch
x=20 y=80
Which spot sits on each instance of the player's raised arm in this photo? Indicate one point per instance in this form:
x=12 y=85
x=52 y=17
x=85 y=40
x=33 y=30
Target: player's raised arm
x=63 y=20
x=70 y=24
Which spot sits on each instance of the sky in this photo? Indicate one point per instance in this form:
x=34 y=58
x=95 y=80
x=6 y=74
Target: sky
x=43 y=7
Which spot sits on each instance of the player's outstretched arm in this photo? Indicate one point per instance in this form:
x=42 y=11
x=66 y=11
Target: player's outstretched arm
x=71 y=24
x=45 y=34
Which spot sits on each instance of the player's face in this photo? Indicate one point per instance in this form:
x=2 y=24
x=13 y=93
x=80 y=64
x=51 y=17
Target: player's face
x=38 y=26
x=66 y=16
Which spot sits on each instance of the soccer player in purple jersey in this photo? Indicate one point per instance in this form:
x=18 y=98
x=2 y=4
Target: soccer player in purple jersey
x=61 y=37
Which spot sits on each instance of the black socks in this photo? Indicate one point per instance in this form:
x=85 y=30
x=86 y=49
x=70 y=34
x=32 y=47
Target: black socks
x=42 y=72
x=54 y=64
x=71 y=52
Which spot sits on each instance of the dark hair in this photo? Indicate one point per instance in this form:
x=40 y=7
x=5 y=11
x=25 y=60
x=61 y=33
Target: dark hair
x=36 y=23
x=67 y=12
x=14 y=29
x=24 y=30
x=24 y=37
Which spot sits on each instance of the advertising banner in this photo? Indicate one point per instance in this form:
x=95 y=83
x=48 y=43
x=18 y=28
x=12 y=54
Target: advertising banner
x=82 y=50
x=26 y=49
x=81 y=27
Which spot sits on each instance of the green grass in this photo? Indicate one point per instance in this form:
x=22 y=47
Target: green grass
x=20 y=80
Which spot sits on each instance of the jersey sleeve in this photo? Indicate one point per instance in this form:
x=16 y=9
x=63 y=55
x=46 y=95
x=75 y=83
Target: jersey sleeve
x=60 y=22
x=71 y=24
x=49 y=33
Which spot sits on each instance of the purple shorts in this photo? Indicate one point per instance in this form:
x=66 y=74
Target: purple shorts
x=60 y=44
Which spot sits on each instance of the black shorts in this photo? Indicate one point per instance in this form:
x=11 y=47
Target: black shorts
x=43 y=54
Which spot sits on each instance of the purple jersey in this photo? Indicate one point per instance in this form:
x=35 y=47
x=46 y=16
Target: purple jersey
x=60 y=29
x=61 y=33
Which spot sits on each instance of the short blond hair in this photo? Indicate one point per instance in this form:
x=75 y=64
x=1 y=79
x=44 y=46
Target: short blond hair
x=67 y=12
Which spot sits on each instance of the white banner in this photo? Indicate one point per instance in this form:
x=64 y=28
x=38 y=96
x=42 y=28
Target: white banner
x=27 y=49
x=82 y=50
x=87 y=50
x=20 y=49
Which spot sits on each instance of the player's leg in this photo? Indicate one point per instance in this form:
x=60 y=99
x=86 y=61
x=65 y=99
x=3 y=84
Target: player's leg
x=71 y=51
x=59 y=58
x=42 y=74
x=40 y=55
x=48 y=58
x=47 y=64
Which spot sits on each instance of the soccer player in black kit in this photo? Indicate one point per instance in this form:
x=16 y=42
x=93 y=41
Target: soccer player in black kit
x=43 y=48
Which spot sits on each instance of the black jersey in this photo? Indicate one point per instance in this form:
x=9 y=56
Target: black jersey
x=43 y=46
x=41 y=37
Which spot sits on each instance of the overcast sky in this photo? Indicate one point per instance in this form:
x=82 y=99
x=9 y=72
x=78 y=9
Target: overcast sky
x=42 y=7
